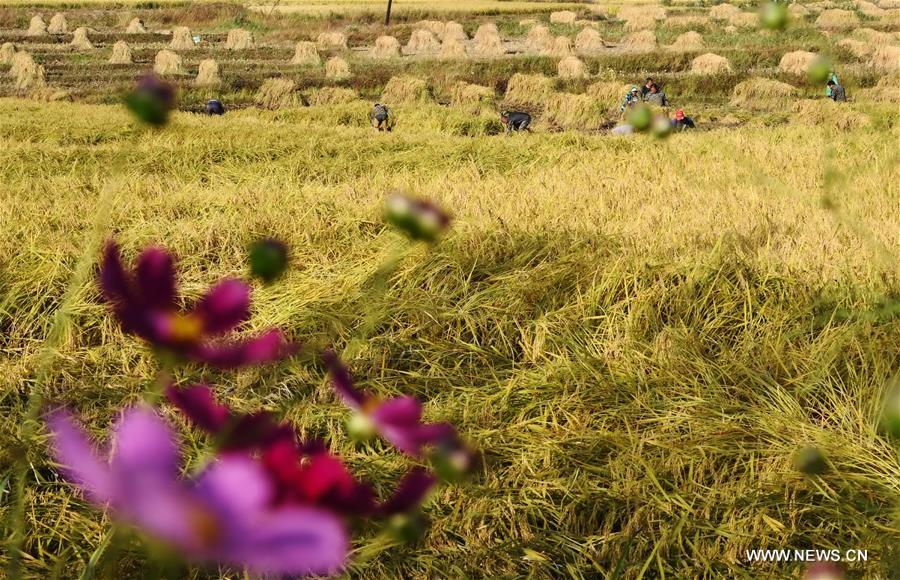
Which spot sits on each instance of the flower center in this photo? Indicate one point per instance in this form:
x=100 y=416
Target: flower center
x=185 y=328
x=204 y=526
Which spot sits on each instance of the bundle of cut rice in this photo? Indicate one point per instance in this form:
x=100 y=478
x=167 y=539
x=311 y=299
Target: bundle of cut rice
x=710 y=64
x=167 y=63
x=80 y=40
x=136 y=26
x=181 y=38
x=37 y=27
x=305 y=54
x=471 y=97
x=423 y=42
x=337 y=69
x=688 y=42
x=328 y=40
x=277 y=94
x=588 y=41
x=121 y=53
x=386 y=47
x=405 y=89
x=58 y=24
x=762 y=94
x=7 y=52
x=539 y=39
x=797 y=62
x=331 y=96
x=643 y=41
x=239 y=39
x=562 y=46
x=571 y=67
x=525 y=90
x=453 y=49
x=563 y=17
x=208 y=74
x=837 y=20
x=454 y=31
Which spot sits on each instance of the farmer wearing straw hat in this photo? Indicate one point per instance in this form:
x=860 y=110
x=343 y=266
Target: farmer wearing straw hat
x=682 y=122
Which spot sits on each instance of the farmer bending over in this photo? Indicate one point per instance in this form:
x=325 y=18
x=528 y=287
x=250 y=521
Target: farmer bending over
x=515 y=121
x=836 y=91
x=215 y=107
x=380 y=117
x=681 y=122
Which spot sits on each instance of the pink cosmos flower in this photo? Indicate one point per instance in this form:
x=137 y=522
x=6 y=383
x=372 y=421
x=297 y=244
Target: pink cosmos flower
x=145 y=301
x=225 y=515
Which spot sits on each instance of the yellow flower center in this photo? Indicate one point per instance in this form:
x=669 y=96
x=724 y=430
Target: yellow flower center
x=187 y=328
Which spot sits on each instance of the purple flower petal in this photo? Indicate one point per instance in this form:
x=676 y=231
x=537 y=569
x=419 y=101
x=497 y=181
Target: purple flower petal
x=235 y=485
x=265 y=348
x=399 y=421
x=410 y=493
x=199 y=406
x=73 y=450
x=144 y=447
x=343 y=382
x=226 y=305
x=114 y=280
x=292 y=541
x=399 y=411
x=156 y=278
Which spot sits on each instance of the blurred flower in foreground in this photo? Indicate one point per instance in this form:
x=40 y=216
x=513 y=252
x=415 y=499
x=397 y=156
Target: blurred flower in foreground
x=304 y=473
x=890 y=415
x=418 y=219
x=152 y=100
x=811 y=461
x=661 y=127
x=225 y=515
x=268 y=259
x=144 y=301
x=398 y=420
x=824 y=571
x=774 y=15
x=819 y=70
x=640 y=117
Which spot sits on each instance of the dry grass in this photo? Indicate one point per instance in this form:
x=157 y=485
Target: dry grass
x=386 y=47
x=529 y=90
x=642 y=41
x=423 y=42
x=168 y=63
x=58 y=24
x=277 y=93
x=797 y=62
x=837 y=20
x=337 y=69
x=857 y=48
x=724 y=12
x=688 y=42
x=330 y=40
x=639 y=351
x=452 y=48
x=539 y=39
x=563 y=17
x=589 y=41
x=305 y=54
x=37 y=27
x=886 y=91
x=567 y=111
x=759 y=94
x=80 y=40
x=642 y=22
x=886 y=58
x=471 y=97
x=653 y=11
x=818 y=112
x=874 y=36
x=239 y=39
x=608 y=93
x=7 y=52
x=135 y=26
x=710 y=64
x=571 y=67
x=331 y=96
x=405 y=89
x=181 y=38
x=121 y=53
x=208 y=74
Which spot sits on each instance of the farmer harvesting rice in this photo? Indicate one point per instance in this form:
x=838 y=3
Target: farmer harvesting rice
x=649 y=87
x=380 y=117
x=515 y=121
x=835 y=91
x=682 y=122
x=631 y=99
x=215 y=107
x=656 y=96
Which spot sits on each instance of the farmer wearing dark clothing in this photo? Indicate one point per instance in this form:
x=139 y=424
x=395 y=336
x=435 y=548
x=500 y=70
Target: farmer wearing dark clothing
x=836 y=91
x=656 y=97
x=380 y=117
x=515 y=121
x=681 y=122
x=215 y=107
x=649 y=87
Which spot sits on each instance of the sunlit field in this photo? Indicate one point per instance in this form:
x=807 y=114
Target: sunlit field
x=666 y=350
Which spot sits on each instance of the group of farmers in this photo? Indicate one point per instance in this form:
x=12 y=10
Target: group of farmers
x=382 y=119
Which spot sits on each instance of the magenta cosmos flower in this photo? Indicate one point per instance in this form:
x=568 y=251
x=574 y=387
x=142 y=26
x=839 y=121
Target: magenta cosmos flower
x=398 y=420
x=225 y=515
x=145 y=302
x=301 y=473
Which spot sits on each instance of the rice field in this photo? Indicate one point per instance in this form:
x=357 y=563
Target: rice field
x=640 y=335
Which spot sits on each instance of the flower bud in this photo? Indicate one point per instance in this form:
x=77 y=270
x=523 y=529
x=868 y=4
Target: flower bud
x=819 y=70
x=268 y=259
x=407 y=527
x=152 y=100
x=811 y=461
x=661 y=127
x=640 y=117
x=418 y=219
x=774 y=15
x=360 y=427
x=890 y=414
